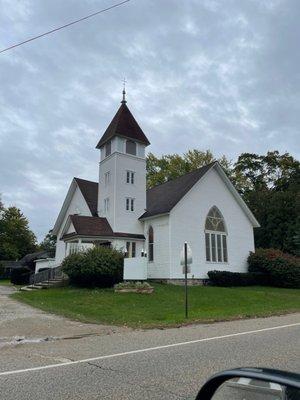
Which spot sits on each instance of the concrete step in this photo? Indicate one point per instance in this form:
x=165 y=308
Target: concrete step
x=40 y=284
x=49 y=284
x=45 y=285
x=34 y=287
x=27 y=289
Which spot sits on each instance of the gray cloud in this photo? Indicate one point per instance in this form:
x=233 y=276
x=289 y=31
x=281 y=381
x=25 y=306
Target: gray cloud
x=222 y=75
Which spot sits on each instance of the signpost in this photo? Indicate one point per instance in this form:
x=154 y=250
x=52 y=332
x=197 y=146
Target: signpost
x=186 y=261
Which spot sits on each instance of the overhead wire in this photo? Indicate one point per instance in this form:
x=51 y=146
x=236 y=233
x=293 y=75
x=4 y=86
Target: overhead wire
x=65 y=26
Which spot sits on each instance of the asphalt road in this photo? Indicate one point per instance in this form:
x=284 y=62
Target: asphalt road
x=152 y=364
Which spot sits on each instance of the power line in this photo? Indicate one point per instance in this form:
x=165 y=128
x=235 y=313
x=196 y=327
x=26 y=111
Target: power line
x=65 y=26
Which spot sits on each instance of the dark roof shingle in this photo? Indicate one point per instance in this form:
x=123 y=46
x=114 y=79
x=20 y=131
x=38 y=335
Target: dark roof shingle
x=95 y=226
x=91 y=226
x=123 y=124
x=162 y=198
x=89 y=191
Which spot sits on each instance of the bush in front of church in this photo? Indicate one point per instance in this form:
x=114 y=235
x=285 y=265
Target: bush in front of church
x=275 y=268
x=96 y=267
x=228 y=279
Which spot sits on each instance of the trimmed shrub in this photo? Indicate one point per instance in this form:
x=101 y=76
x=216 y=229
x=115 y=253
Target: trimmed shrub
x=227 y=278
x=99 y=266
x=275 y=268
x=20 y=276
x=133 y=285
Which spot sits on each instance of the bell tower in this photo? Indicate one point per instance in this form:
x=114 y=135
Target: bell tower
x=122 y=172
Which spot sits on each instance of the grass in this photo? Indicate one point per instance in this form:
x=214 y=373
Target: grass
x=165 y=307
x=5 y=282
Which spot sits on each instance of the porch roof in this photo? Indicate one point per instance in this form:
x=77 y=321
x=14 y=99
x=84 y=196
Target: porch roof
x=86 y=226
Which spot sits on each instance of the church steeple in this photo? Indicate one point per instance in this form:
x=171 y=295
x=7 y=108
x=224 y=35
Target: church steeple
x=124 y=125
x=122 y=172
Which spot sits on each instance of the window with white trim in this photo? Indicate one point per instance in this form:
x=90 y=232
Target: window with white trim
x=129 y=204
x=106 y=204
x=150 y=244
x=107 y=178
x=215 y=237
x=130 y=177
x=73 y=247
x=130 y=250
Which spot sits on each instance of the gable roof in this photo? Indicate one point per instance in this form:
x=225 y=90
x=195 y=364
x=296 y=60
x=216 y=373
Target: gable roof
x=89 y=191
x=91 y=226
x=123 y=124
x=162 y=198
x=95 y=226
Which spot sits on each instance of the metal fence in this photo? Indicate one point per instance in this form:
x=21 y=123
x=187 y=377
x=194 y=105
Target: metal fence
x=46 y=275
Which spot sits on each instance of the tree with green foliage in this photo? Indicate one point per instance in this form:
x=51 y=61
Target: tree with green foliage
x=49 y=243
x=271 y=188
x=272 y=171
x=170 y=166
x=268 y=183
x=16 y=239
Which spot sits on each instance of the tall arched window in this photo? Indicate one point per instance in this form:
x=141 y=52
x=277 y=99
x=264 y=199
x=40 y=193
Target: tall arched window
x=150 y=244
x=215 y=236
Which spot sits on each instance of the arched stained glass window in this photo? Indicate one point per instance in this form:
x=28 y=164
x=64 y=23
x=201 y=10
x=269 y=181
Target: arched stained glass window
x=215 y=220
x=215 y=237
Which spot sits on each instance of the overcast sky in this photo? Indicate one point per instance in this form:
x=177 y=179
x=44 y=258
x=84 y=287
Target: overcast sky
x=206 y=74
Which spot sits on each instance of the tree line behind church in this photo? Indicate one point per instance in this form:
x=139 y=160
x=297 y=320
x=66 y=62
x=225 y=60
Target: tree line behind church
x=268 y=183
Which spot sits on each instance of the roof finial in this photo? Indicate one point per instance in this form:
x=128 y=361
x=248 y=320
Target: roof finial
x=124 y=91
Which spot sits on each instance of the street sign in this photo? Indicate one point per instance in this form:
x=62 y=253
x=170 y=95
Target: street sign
x=189 y=259
x=188 y=269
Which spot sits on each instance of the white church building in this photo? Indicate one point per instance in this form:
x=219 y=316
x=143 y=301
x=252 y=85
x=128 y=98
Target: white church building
x=202 y=208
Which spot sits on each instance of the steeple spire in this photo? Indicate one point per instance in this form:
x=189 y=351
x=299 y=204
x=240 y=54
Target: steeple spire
x=124 y=92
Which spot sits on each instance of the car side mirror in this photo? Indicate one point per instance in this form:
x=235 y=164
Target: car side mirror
x=251 y=384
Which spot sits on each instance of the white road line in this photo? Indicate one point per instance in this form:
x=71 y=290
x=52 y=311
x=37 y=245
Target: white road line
x=167 y=346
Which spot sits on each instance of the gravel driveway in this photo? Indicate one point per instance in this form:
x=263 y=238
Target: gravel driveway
x=20 y=323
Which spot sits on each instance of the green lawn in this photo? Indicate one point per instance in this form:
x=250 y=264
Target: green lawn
x=5 y=282
x=165 y=307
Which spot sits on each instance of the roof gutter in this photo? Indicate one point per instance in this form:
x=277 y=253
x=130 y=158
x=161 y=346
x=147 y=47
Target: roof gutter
x=154 y=216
